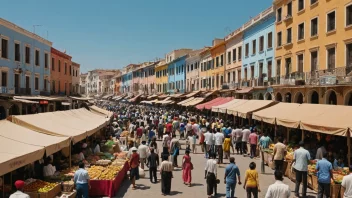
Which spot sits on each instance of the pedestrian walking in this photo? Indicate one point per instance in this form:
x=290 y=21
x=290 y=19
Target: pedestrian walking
x=251 y=181
x=300 y=160
x=280 y=151
x=347 y=184
x=278 y=189
x=134 y=167
x=209 y=141
x=211 y=175
x=160 y=131
x=324 y=168
x=202 y=139
x=245 y=137
x=227 y=146
x=166 y=174
x=187 y=168
x=230 y=178
x=238 y=140
x=153 y=163
x=219 y=140
x=143 y=151
x=81 y=181
x=194 y=142
x=253 y=141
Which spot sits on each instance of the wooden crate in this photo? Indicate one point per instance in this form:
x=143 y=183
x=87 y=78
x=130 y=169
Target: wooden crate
x=69 y=194
x=335 y=190
x=315 y=183
x=342 y=192
x=52 y=193
x=32 y=194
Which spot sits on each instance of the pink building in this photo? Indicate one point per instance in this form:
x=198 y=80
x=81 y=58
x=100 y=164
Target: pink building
x=148 y=78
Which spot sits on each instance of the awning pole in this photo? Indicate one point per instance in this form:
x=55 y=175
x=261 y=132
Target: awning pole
x=262 y=153
x=349 y=147
x=70 y=154
x=288 y=134
x=302 y=135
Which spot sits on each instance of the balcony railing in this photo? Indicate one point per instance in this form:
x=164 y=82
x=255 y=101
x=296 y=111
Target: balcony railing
x=22 y=91
x=331 y=76
x=232 y=85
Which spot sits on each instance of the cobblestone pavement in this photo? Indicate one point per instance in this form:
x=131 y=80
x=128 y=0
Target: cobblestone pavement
x=198 y=189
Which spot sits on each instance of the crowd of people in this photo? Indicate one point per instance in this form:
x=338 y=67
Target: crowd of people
x=217 y=139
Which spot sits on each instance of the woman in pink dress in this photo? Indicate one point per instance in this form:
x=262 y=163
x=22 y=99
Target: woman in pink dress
x=187 y=167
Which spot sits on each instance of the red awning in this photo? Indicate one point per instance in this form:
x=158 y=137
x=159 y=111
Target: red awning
x=211 y=103
x=220 y=102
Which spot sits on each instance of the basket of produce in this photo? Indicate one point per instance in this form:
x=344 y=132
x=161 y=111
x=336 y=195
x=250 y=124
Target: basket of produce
x=67 y=186
x=95 y=171
x=103 y=162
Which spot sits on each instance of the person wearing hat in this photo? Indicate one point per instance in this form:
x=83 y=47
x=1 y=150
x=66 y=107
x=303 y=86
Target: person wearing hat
x=301 y=157
x=19 y=194
x=134 y=169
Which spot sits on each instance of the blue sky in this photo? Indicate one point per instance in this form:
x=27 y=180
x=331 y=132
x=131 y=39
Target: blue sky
x=115 y=33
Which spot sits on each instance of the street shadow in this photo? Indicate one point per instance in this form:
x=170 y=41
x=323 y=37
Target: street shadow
x=123 y=188
x=267 y=173
x=197 y=184
x=173 y=193
x=221 y=195
x=142 y=187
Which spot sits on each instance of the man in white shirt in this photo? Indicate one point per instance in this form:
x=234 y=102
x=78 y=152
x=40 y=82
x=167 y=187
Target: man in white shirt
x=347 y=185
x=278 y=189
x=143 y=151
x=219 y=140
x=19 y=194
x=211 y=175
x=237 y=138
x=245 y=137
x=209 y=141
x=48 y=169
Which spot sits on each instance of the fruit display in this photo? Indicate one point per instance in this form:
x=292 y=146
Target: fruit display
x=95 y=171
x=338 y=174
x=110 y=172
x=103 y=162
x=70 y=172
x=39 y=186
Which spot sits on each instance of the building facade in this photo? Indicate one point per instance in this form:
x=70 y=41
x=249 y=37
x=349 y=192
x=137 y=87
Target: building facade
x=148 y=77
x=24 y=61
x=60 y=75
x=83 y=84
x=177 y=75
x=206 y=68
x=75 y=78
x=193 y=70
x=314 y=51
x=258 y=58
x=233 y=65
x=218 y=56
x=161 y=78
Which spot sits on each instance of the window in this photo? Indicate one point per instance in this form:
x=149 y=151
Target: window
x=45 y=84
x=217 y=61
x=76 y=73
x=330 y=21
x=254 y=46
x=314 y=27
x=278 y=67
x=228 y=57
x=261 y=44
x=301 y=31
x=289 y=9
x=300 y=5
x=279 y=39
x=289 y=36
x=65 y=69
x=221 y=60
x=228 y=77
x=201 y=66
x=270 y=65
x=313 y=2
x=313 y=61
x=279 y=14
x=53 y=64
x=331 y=58
x=239 y=53
x=70 y=70
x=349 y=55
x=300 y=63
x=17 y=52
x=46 y=60
x=270 y=40
x=28 y=55
x=234 y=54
x=4 y=79
x=247 y=50
x=349 y=15
x=59 y=66
x=36 y=83
x=4 y=48
x=37 y=58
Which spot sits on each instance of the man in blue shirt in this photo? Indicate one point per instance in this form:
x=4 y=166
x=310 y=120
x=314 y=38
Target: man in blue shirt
x=301 y=157
x=324 y=168
x=230 y=178
x=81 y=179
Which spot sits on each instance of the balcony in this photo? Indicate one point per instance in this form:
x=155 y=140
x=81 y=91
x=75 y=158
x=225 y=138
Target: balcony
x=22 y=91
x=295 y=78
x=331 y=76
x=231 y=85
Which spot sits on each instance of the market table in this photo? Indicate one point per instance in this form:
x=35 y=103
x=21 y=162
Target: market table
x=108 y=187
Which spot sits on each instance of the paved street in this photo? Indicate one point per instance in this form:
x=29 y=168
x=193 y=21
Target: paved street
x=147 y=189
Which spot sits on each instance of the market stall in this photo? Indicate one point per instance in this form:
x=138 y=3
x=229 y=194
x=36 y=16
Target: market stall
x=218 y=108
x=193 y=102
x=222 y=101
x=230 y=109
x=185 y=101
x=102 y=111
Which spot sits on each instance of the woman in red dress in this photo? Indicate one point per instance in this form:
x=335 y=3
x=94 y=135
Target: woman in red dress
x=187 y=167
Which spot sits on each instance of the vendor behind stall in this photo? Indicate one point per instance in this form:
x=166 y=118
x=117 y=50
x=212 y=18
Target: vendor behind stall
x=48 y=169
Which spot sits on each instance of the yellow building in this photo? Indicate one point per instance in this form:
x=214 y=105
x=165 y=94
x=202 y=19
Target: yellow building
x=314 y=51
x=218 y=56
x=161 y=78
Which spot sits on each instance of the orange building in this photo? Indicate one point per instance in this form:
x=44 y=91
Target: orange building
x=218 y=56
x=61 y=66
